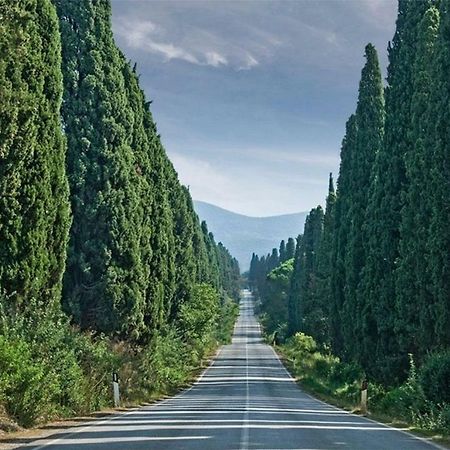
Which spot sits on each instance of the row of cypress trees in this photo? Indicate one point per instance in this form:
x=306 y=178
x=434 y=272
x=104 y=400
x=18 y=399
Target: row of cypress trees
x=371 y=275
x=84 y=176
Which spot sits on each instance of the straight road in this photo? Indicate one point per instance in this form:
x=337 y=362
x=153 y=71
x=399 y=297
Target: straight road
x=244 y=400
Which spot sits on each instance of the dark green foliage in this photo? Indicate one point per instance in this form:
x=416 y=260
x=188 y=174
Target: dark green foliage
x=386 y=198
x=417 y=313
x=274 y=303
x=282 y=251
x=361 y=144
x=438 y=261
x=293 y=303
x=273 y=260
x=306 y=314
x=229 y=311
x=229 y=272
x=434 y=377
x=114 y=161
x=34 y=208
x=369 y=118
x=341 y=236
x=136 y=248
x=324 y=268
x=49 y=370
x=290 y=248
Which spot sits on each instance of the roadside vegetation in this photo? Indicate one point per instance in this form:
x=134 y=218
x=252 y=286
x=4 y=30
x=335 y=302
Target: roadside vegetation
x=50 y=369
x=421 y=402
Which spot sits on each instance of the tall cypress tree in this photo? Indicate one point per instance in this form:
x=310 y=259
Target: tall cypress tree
x=416 y=308
x=282 y=251
x=103 y=288
x=273 y=260
x=34 y=207
x=387 y=189
x=341 y=231
x=303 y=302
x=310 y=311
x=438 y=260
x=369 y=137
x=325 y=267
x=293 y=297
x=290 y=248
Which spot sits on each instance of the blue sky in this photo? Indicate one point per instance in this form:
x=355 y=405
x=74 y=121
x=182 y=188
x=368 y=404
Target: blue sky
x=251 y=97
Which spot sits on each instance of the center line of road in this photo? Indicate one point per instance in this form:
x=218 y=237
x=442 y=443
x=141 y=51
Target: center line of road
x=246 y=430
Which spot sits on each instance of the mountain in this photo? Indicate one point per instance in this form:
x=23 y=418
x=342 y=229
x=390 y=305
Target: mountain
x=243 y=235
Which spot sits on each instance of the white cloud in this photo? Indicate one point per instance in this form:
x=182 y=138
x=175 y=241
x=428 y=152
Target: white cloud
x=198 y=46
x=215 y=59
x=249 y=62
x=170 y=51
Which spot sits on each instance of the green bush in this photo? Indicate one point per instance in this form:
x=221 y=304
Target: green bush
x=342 y=373
x=25 y=390
x=302 y=344
x=164 y=363
x=434 y=377
x=197 y=320
x=444 y=418
x=229 y=311
x=48 y=369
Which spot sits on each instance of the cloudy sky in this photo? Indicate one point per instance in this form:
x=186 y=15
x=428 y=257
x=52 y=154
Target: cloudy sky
x=251 y=97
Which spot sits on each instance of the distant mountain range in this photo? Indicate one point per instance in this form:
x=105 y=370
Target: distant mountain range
x=243 y=235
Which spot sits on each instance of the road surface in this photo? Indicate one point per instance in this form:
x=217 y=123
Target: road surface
x=244 y=400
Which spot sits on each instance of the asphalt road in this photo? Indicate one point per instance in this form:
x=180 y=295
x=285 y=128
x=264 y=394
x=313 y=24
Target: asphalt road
x=244 y=400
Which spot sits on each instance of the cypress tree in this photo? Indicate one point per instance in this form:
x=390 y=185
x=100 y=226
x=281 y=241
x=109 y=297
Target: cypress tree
x=282 y=252
x=252 y=271
x=438 y=260
x=213 y=263
x=104 y=286
x=370 y=123
x=341 y=232
x=386 y=196
x=34 y=207
x=310 y=311
x=325 y=266
x=416 y=309
x=293 y=297
x=303 y=302
x=184 y=228
x=290 y=248
x=273 y=260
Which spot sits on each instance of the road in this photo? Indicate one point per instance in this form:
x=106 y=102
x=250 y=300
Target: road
x=245 y=400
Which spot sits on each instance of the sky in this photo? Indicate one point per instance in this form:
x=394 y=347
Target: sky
x=251 y=97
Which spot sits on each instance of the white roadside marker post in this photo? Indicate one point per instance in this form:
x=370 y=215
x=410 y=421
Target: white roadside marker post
x=116 y=389
x=364 y=397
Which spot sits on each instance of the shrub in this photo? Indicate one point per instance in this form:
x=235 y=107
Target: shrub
x=434 y=377
x=164 y=363
x=24 y=388
x=303 y=344
x=342 y=373
x=229 y=311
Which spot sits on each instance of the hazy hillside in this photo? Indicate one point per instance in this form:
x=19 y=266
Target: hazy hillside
x=243 y=235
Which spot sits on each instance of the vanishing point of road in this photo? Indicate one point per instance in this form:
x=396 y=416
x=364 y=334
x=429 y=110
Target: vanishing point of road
x=245 y=400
